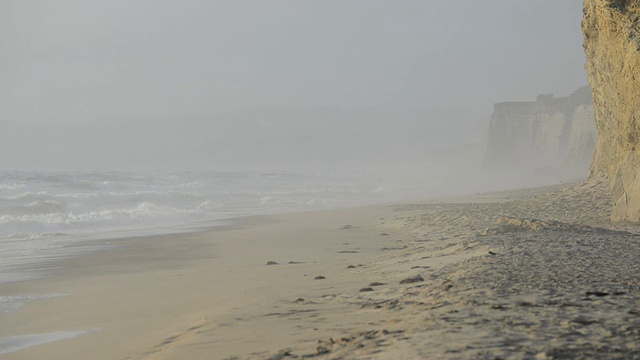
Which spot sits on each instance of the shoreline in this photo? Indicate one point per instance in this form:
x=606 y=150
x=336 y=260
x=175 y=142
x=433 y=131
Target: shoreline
x=96 y=243
x=212 y=295
x=130 y=257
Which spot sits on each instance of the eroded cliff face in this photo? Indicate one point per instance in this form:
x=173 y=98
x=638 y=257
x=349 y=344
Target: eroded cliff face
x=612 y=44
x=552 y=134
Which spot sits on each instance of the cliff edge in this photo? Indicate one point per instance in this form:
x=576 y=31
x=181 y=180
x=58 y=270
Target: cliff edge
x=551 y=134
x=612 y=44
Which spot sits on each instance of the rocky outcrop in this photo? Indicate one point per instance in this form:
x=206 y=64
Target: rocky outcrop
x=550 y=133
x=612 y=44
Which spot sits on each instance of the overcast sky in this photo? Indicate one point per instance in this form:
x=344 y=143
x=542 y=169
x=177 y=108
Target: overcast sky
x=77 y=61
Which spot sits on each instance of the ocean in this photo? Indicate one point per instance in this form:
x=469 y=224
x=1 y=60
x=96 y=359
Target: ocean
x=44 y=215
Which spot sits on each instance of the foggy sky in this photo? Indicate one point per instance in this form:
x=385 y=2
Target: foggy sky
x=78 y=61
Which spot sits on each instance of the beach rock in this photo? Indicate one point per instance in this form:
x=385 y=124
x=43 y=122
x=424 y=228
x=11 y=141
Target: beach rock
x=413 y=279
x=611 y=31
x=597 y=293
x=583 y=321
x=271 y=262
x=393 y=248
x=281 y=355
x=376 y=284
x=322 y=350
x=366 y=289
x=506 y=224
x=319 y=277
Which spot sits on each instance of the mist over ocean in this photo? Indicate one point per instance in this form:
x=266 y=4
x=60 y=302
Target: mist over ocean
x=42 y=214
x=158 y=157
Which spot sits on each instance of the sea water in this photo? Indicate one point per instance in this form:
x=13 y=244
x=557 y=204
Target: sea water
x=44 y=214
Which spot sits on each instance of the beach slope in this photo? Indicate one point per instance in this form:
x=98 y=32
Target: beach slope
x=538 y=273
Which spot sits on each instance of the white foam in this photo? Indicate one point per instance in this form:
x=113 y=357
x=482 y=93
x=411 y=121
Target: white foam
x=12 y=186
x=42 y=214
x=15 y=302
x=9 y=344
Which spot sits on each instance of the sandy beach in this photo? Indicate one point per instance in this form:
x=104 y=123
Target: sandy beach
x=529 y=274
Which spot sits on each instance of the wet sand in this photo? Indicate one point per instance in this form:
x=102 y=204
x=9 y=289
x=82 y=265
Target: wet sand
x=551 y=278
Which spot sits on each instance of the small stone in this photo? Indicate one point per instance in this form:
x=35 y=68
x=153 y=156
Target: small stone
x=319 y=277
x=347 y=227
x=272 y=263
x=351 y=267
x=299 y=300
x=413 y=279
x=365 y=289
x=583 y=321
x=282 y=355
x=384 y=234
x=541 y=356
x=376 y=284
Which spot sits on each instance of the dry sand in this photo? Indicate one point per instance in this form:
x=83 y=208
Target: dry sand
x=563 y=286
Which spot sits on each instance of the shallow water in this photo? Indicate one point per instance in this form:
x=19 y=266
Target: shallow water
x=14 y=302
x=44 y=214
x=10 y=344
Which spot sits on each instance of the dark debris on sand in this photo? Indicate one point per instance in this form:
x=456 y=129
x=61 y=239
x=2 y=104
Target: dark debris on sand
x=562 y=292
x=563 y=287
x=412 y=279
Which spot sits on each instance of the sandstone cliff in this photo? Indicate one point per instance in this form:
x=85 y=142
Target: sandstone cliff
x=612 y=44
x=553 y=133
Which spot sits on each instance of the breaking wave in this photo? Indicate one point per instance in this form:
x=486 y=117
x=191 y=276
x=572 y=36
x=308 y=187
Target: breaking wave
x=41 y=212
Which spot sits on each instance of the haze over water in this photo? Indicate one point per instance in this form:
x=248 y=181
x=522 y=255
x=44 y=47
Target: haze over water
x=135 y=118
x=151 y=116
